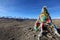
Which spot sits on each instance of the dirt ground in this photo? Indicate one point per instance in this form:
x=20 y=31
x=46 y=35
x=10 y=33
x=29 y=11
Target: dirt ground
x=19 y=29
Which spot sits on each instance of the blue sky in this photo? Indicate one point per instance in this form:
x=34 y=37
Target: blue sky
x=29 y=8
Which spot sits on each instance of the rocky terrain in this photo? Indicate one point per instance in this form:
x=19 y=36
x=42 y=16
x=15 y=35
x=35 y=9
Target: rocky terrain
x=14 y=29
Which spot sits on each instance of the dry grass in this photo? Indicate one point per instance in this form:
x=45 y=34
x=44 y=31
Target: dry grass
x=19 y=30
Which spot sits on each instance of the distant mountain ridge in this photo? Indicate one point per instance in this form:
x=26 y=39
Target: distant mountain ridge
x=22 y=19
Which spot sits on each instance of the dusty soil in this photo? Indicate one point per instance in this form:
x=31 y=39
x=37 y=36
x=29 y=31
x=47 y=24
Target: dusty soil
x=19 y=29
